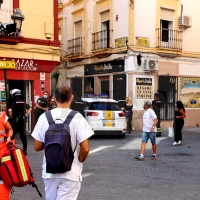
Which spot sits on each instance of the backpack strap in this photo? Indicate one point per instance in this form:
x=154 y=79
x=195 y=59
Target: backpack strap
x=70 y=117
x=49 y=117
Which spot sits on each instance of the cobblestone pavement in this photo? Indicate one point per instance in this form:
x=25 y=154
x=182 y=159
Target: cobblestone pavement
x=112 y=173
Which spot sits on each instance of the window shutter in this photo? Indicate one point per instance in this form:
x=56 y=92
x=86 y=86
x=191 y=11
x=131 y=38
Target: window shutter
x=78 y=29
x=166 y=14
x=6 y=11
x=105 y=16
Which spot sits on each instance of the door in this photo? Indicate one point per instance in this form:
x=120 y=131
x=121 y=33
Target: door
x=105 y=87
x=167 y=90
x=25 y=87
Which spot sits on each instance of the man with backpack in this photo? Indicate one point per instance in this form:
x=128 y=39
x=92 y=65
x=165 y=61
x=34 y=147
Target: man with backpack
x=63 y=135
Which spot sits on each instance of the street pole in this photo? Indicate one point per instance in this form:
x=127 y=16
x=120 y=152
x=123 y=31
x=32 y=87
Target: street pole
x=5 y=80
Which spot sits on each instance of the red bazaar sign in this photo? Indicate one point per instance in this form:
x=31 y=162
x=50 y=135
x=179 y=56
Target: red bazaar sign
x=33 y=65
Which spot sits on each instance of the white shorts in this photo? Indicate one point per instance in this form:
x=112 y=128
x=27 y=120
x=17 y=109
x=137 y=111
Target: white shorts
x=61 y=189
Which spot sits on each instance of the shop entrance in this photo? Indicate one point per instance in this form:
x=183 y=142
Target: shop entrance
x=25 y=87
x=105 y=87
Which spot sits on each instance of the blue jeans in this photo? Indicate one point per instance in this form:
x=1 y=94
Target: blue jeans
x=149 y=135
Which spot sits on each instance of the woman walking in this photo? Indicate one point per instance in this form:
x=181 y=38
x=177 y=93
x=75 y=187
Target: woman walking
x=178 y=123
x=128 y=106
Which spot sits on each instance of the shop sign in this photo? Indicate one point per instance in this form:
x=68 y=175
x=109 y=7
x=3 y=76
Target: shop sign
x=144 y=92
x=103 y=68
x=189 y=91
x=42 y=76
x=33 y=65
x=26 y=65
x=142 y=41
x=143 y=81
x=7 y=64
x=120 y=42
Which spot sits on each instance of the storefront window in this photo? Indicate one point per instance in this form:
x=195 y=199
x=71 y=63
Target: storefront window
x=89 y=85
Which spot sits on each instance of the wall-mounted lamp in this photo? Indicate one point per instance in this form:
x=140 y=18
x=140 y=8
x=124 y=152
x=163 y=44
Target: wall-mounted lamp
x=12 y=29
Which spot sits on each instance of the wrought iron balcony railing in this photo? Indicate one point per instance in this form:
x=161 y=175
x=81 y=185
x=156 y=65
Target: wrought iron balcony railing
x=101 y=40
x=170 y=39
x=75 y=46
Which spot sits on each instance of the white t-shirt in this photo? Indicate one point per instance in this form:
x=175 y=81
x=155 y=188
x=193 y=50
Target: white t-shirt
x=80 y=130
x=148 y=119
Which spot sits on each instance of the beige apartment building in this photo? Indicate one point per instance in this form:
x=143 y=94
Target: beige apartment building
x=133 y=48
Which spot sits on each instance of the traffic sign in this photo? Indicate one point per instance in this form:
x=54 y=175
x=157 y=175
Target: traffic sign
x=7 y=64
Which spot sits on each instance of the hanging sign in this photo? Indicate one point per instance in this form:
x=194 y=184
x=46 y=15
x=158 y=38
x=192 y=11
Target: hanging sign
x=7 y=64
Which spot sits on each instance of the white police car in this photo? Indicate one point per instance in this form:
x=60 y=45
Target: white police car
x=105 y=116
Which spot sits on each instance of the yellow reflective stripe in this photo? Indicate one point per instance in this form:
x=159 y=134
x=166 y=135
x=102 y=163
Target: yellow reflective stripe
x=109 y=115
x=6 y=158
x=21 y=165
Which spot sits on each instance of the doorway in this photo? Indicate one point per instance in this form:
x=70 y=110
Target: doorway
x=25 y=87
x=105 y=87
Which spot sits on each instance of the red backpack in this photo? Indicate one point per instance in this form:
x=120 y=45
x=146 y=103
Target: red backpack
x=15 y=170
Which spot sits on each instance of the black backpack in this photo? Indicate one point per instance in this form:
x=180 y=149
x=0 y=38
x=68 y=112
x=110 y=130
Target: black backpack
x=57 y=145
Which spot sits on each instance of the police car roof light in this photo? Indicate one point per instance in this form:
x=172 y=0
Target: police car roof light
x=96 y=96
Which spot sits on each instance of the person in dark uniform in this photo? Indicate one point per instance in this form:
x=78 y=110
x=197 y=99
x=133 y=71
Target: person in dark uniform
x=41 y=106
x=18 y=112
x=156 y=104
x=78 y=105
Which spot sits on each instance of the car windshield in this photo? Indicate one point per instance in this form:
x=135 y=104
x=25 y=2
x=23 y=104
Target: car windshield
x=104 y=106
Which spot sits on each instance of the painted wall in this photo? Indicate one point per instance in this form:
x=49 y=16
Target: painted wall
x=120 y=27
x=36 y=16
x=145 y=20
x=191 y=40
x=190 y=69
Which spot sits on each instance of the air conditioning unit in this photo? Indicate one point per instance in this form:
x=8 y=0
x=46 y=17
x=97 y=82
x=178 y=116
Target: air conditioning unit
x=150 y=65
x=185 y=21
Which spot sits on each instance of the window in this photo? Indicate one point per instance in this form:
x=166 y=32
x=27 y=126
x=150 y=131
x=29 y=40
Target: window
x=105 y=29
x=104 y=106
x=6 y=11
x=78 y=29
x=165 y=30
x=166 y=23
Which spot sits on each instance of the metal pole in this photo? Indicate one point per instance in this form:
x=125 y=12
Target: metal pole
x=5 y=80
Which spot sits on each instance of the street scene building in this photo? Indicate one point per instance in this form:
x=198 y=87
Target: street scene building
x=132 y=48
x=33 y=45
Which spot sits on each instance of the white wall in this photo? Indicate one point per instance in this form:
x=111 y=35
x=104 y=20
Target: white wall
x=89 y=21
x=76 y=71
x=120 y=27
x=191 y=39
x=145 y=20
x=189 y=69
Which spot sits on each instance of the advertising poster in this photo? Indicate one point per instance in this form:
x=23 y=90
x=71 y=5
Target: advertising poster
x=190 y=92
x=144 y=88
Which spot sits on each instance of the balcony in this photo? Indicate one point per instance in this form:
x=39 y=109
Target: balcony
x=75 y=46
x=75 y=50
x=101 y=40
x=169 y=39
